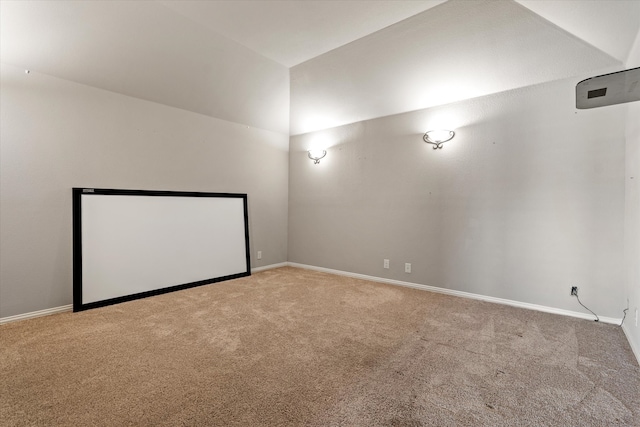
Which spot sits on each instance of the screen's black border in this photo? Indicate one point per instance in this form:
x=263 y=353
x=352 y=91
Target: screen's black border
x=77 y=243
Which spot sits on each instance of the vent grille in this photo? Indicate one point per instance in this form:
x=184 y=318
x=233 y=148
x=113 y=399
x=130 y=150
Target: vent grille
x=597 y=93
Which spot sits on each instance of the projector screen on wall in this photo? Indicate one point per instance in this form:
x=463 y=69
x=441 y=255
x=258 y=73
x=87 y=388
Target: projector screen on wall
x=129 y=244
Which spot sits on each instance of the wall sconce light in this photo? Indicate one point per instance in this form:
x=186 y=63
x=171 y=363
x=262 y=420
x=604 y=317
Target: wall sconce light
x=316 y=155
x=438 y=137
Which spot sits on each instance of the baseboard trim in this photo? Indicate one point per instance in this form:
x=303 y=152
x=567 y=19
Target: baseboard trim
x=634 y=347
x=459 y=293
x=269 y=267
x=462 y=294
x=39 y=313
x=65 y=308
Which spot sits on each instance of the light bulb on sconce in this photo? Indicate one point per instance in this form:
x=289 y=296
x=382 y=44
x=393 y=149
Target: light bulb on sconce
x=438 y=137
x=316 y=155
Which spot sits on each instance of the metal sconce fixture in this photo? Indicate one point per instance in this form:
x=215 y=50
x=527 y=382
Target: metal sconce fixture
x=438 y=137
x=316 y=155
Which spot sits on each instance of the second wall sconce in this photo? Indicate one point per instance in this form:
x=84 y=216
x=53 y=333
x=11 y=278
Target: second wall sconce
x=438 y=137
x=316 y=155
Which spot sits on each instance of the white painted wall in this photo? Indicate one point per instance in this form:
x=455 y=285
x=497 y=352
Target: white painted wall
x=56 y=134
x=525 y=202
x=632 y=212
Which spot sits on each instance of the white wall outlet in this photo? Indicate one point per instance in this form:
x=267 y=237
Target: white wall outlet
x=636 y=317
x=407 y=267
x=259 y=254
x=386 y=263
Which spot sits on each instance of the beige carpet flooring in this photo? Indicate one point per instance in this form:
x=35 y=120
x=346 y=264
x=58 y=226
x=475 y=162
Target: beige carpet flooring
x=291 y=347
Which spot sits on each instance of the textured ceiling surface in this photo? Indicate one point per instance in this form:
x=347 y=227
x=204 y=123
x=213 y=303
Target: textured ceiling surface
x=300 y=66
x=144 y=50
x=291 y=32
x=610 y=26
x=425 y=61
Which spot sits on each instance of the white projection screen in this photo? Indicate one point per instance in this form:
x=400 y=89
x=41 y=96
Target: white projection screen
x=130 y=244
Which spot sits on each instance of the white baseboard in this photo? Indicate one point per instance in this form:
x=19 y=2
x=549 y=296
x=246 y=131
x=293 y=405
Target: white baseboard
x=633 y=345
x=459 y=293
x=38 y=313
x=69 y=307
x=269 y=267
x=519 y=304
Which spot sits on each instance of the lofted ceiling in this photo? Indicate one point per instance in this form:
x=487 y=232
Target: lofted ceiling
x=300 y=66
x=291 y=32
x=454 y=51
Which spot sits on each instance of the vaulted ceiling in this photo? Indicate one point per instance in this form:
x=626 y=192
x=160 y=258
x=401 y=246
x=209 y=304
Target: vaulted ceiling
x=291 y=32
x=318 y=63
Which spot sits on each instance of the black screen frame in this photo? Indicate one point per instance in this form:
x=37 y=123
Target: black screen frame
x=79 y=192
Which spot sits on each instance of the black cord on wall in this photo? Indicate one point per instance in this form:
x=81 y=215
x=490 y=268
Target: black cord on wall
x=580 y=302
x=625 y=315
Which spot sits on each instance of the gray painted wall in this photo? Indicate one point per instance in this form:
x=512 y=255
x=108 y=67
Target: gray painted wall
x=526 y=201
x=632 y=212
x=57 y=135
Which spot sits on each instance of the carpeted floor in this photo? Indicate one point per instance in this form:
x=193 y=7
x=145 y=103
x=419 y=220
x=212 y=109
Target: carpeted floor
x=291 y=347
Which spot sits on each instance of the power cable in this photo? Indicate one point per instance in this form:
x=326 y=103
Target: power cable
x=580 y=302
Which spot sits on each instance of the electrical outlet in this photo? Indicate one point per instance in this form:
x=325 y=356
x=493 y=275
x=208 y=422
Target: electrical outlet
x=259 y=254
x=407 y=267
x=574 y=291
x=636 y=317
x=386 y=263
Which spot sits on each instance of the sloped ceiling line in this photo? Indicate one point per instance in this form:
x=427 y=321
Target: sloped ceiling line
x=297 y=66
